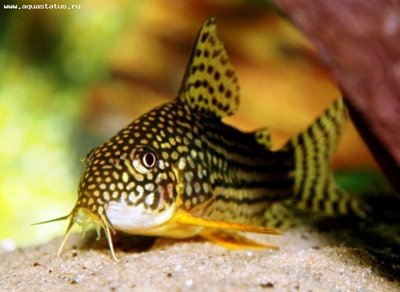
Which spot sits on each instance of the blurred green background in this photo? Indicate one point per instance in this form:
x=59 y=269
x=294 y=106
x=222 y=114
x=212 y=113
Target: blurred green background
x=70 y=78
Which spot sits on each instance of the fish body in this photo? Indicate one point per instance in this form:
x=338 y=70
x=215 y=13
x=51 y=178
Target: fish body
x=179 y=171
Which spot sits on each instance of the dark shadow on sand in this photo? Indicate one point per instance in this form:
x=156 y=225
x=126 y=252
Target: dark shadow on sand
x=378 y=234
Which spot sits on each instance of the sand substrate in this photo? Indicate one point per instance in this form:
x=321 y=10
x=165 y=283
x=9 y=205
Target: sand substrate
x=329 y=258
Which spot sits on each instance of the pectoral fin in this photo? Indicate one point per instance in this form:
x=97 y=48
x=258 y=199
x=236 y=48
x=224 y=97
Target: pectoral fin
x=223 y=233
x=232 y=240
x=188 y=219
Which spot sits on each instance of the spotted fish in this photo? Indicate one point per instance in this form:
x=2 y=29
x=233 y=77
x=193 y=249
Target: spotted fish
x=179 y=171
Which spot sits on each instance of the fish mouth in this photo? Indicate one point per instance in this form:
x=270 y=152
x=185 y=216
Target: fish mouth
x=85 y=218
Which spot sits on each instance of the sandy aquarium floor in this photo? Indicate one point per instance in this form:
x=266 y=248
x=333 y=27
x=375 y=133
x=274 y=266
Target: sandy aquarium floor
x=321 y=254
x=330 y=255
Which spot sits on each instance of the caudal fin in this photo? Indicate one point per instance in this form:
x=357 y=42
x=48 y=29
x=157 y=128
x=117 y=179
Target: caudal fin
x=315 y=188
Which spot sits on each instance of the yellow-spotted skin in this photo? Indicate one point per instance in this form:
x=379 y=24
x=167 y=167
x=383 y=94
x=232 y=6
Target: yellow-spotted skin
x=179 y=171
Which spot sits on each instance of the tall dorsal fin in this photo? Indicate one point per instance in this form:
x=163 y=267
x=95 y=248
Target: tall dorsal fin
x=210 y=83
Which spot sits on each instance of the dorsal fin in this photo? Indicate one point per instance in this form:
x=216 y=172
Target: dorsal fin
x=210 y=83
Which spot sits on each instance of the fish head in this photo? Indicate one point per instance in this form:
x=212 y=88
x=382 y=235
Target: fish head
x=131 y=182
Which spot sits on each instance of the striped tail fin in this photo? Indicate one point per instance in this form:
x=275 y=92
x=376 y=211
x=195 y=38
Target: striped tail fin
x=315 y=188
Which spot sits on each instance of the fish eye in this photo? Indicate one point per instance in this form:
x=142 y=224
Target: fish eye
x=149 y=159
x=145 y=159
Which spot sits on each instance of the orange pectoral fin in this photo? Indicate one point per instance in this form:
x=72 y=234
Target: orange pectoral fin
x=222 y=233
x=188 y=219
x=232 y=240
